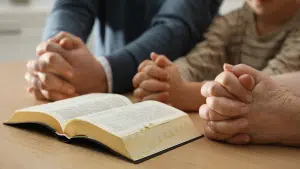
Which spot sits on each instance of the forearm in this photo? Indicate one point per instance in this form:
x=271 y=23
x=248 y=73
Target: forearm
x=188 y=97
x=174 y=31
x=76 y=17
x=292 y=107
x=290 y=81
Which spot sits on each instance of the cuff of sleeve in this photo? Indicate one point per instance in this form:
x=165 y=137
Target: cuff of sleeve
x=108 y=72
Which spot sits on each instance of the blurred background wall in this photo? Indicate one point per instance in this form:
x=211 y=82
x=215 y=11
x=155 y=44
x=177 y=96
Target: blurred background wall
x=21 y=26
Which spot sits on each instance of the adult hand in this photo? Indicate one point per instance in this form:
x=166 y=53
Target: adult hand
x=232 y=89
x=66 y=59
x=271 y=117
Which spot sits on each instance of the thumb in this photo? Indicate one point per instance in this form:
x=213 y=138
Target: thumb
x=242 y=69
x=160 y=60
x=247 y=81
x=153 y=56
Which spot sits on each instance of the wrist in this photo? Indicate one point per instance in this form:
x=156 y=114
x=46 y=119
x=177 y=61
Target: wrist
x=104 y=84
x=96 y=81
x=188 y=96
x=101 y=84
x=291 y=108
x=106 y=68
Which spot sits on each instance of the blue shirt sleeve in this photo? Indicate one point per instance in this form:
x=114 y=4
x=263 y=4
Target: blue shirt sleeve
x=73 y=16
x=176 y=28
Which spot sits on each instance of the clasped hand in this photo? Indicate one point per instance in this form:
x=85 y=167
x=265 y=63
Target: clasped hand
x=64 y=68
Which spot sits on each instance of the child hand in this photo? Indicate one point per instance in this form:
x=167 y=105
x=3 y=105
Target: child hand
x=157 y=79
x=151 y=81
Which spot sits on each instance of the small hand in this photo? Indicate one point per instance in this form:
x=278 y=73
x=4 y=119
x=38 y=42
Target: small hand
x=151 y=81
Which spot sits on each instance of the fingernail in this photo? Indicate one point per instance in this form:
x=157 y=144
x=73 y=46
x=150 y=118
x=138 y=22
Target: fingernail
x=228 y=67
x=202 y=113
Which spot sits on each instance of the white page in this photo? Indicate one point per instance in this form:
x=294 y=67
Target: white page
x=130 y=119
x=65 y=110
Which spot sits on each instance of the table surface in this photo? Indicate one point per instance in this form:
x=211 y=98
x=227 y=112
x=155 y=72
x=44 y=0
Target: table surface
x=35 y=149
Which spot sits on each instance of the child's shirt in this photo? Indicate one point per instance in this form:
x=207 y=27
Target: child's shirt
x=233 y=39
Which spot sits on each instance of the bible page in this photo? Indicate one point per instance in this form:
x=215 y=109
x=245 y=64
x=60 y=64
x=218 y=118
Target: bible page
x=131 y=119
x=68 y=109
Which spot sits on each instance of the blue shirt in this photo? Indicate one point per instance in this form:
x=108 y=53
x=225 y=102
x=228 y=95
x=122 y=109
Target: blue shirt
x=129 y=30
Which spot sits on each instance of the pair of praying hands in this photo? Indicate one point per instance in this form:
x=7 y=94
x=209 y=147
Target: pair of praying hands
x=242 y=104
x=64 y=68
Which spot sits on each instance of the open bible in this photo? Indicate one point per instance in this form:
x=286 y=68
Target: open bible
x=136 y=131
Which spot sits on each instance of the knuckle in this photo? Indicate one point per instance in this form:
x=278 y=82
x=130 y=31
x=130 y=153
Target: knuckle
x=242 y=65
x=142 y=76
x=212 y=102
x=39 y=48
x=45 y=79
x=47 y=46
x=37 y=83
x=141 y=93
x=226 y=78
x=34 y=82
x=212 y=89
x=208 y=132
x=235 y=107
x=42 y=66
x=136 y=93
x=143 y=63
x=27 y=77
x=139 y=78
x=150 y=69
x=50 y=58
x=145 y=84
x=63 y=33
x=32 y=65
x=213 y=126
x=134 y=81
x=203 y=112
x=211 y=115
x=29 y=64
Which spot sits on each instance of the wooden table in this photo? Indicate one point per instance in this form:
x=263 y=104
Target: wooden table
x=30 y=149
